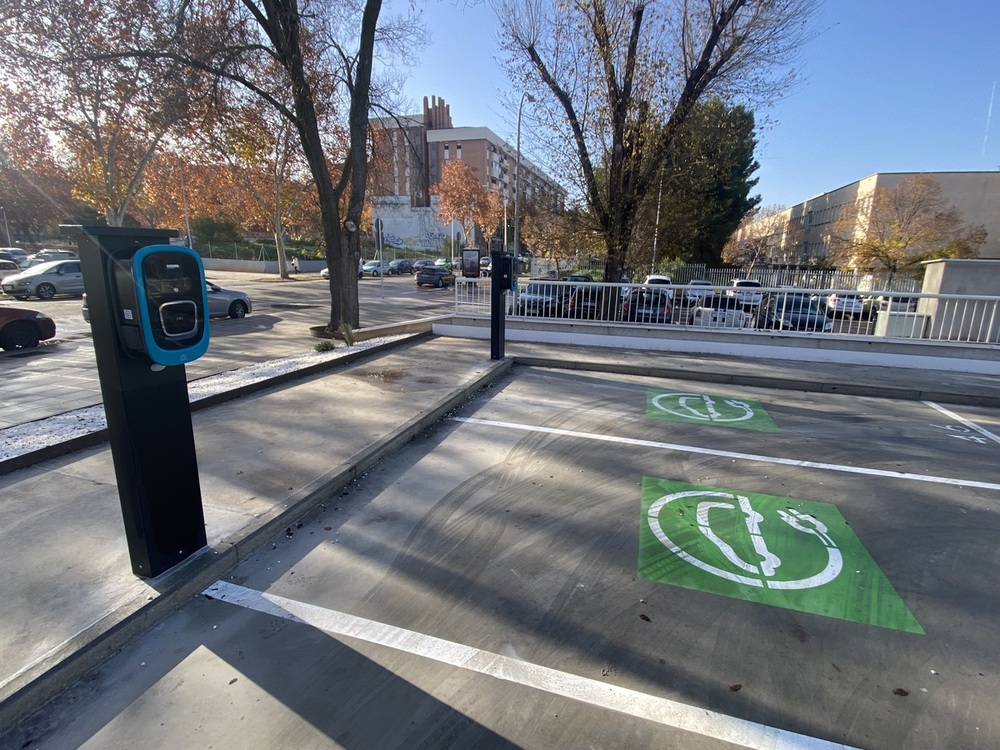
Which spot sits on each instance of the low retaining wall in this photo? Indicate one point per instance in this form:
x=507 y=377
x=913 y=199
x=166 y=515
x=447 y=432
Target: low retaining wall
x=802 y=347
x=258 y=266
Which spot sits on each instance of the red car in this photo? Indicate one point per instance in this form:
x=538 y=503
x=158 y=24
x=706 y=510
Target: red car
x=23 y=329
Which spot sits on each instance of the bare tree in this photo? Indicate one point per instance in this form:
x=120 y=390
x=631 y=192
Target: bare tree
x=621 y=78
x=325 y=54
x=763 y=235
x=108 y=116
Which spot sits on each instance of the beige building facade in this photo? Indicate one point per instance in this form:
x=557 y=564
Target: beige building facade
x=799 y=236
x=409 y=155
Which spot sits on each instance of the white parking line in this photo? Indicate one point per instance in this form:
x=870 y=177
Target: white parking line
x=965 y=422
x=593 y=692
x=735 y=454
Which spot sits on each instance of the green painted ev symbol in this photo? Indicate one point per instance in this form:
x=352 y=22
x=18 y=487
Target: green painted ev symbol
x=778 y=551
x=761 y=566
x=706 y=408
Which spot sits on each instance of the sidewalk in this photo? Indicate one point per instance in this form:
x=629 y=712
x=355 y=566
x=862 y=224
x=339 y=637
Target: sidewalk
x=269 y=457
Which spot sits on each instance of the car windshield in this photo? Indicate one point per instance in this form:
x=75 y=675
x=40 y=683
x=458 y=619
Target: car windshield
x=46 y=267
x=651 y=296
x=542 y=290
x=797 y=304
x=721 y=303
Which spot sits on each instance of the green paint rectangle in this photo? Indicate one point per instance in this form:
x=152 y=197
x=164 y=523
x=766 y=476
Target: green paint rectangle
x=708 y=408
x=779 y=551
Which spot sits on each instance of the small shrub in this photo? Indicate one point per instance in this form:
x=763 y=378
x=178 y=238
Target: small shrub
x=348 y=333
x=324 y=346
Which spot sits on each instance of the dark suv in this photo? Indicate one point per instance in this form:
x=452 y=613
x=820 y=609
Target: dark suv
x=541 y=299
x=593 y=302
x=436 y=276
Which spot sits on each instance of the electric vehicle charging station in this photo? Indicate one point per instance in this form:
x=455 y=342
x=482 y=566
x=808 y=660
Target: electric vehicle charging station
x=504 y=279
x=148 y=316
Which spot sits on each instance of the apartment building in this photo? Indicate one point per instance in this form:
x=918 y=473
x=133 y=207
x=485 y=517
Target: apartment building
x=408 y=157
x=799 y=236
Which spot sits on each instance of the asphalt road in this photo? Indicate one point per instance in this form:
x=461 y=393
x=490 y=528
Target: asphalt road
x=304 y=298
x=590 y=560
x=52 y=379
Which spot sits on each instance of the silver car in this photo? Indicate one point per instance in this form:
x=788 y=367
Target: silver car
x=226 y=303
x=46 y=280
x=222 y=303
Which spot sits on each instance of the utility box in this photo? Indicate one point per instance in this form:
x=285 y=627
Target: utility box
x=148 y=315
x=901 y=325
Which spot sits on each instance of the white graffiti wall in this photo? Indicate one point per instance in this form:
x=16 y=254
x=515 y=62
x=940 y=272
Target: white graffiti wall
x=413 y=228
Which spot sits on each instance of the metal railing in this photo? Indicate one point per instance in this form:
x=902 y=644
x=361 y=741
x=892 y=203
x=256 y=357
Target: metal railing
x=791 y=310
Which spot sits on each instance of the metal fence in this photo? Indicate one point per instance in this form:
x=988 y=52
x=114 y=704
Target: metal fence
x=877 y=313
x=804 y=278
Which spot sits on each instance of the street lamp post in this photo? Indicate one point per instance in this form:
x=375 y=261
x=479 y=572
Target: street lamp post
x=517 y=176
x=6 y=229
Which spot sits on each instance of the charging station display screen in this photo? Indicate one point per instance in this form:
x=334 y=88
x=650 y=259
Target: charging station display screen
x=170 y=286
x=169 y=279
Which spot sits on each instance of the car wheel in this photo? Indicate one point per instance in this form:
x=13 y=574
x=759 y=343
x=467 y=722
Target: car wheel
x=19 y=334
x=45 y=291
x=238 y=309
x=439 y=284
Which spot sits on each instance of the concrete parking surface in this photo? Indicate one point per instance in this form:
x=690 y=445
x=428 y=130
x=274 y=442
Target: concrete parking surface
x=578 y=559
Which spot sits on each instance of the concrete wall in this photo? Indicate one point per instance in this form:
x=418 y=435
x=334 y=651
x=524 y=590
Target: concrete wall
x=259 y=266
x=800 y=347
x=963 y=320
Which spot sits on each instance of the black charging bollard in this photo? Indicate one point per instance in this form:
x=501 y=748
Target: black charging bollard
x=146 y=402
x=503 y=280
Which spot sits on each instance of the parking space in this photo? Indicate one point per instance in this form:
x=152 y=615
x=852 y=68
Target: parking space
x=578 y=559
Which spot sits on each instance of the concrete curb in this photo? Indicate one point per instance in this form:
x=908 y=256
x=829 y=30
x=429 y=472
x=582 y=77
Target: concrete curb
x=66 y=664
x=764 y=381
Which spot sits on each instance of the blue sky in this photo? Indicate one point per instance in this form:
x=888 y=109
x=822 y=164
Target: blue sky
x=888 y=86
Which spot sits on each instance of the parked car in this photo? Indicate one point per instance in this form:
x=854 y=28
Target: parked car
x=325 y=273
x=485 y=265
x=697 y=290
x=422 y=263
x=397 y=267
x=444 y=263
x=656 y=278
x=543 y=299
x=792 y=312
x=222 y=303
x=8 y=268
x=375 y=268
x=648 y=304
x=17 y=254
x=889 y=303
x=436 y=276
x=23 y=329
x=718 y=311
x=31 y=262
x=4 y=255
x=49 y=254
x=46 y=280
x=226 y=303
x=590 y=301
x=843 y=306
x=745 y=290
